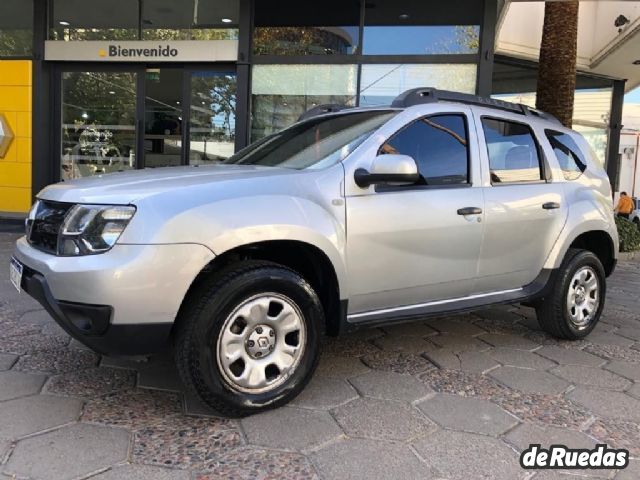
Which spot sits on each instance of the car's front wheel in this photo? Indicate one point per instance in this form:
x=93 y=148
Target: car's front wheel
x=572 y=309
x=249 y=338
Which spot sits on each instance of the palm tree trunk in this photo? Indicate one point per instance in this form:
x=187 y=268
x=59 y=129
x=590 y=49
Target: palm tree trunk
x=557 y=67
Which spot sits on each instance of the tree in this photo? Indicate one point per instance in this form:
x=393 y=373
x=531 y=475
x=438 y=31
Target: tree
x=557 y=66
x=15 y=42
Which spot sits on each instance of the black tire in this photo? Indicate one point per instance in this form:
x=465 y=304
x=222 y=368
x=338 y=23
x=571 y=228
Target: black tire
x=201 y=321
x=552 y=311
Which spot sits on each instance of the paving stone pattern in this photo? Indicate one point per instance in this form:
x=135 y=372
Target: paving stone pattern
x=446 y=398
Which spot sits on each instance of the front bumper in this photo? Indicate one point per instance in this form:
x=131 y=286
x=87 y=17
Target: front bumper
x=120 y=302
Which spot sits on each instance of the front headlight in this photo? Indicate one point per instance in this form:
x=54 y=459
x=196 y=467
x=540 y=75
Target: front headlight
x=91 y=229
x=30 y=218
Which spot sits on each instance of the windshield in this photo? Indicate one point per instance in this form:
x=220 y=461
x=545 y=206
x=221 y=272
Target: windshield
x=315 y=143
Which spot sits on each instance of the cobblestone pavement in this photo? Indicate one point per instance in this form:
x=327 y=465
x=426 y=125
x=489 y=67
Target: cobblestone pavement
x=447 y=398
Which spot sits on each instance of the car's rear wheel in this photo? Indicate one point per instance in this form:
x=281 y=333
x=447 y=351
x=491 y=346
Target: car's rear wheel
x=572 y=309
x=249 y=338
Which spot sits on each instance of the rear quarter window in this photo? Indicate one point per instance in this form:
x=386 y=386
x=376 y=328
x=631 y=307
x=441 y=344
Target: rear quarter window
x=570 y=158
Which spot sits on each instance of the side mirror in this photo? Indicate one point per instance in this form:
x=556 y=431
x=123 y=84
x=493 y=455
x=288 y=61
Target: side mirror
x=391 y=168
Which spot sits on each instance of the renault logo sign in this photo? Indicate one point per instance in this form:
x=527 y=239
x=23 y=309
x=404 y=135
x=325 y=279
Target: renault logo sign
x=6 y=136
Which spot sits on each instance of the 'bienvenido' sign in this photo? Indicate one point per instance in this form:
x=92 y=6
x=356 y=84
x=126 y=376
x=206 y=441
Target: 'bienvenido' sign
x=137 y=51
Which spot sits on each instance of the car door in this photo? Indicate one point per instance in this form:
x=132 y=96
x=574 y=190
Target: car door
x=408 y=245
x=524 y=209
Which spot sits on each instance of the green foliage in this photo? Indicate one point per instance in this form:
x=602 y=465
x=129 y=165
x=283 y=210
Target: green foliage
x=629 y=235
x=15 y=42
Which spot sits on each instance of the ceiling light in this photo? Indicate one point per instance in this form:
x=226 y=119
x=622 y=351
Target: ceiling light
x=65 y=23
x=111 y=92
x=85 y=115
x=226 y=20
x=404 y=16
x=177 y=103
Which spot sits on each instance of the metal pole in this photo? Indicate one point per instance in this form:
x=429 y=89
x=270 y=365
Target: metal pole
x=615 y=128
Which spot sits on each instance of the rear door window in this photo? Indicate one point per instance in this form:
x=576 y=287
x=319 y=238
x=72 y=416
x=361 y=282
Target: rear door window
x=513 y=152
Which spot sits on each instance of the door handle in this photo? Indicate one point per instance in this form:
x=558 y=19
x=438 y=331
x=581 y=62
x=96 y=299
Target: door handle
x=550 y=205
x=469 y=211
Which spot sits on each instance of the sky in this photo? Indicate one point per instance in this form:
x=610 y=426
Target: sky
x=633 y=96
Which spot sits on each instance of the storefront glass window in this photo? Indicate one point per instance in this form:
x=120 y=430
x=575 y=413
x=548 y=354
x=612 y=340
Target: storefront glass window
x=94 y=20
x=190 y=20
x=306 y=28
x=421 y=40
x=597 y=138
x=281 y=93
x=212 y=128
x=161 y=20
x=98 y=123
x=16 y=28
x=163 y=122
x=409 y=27
x=380 y=84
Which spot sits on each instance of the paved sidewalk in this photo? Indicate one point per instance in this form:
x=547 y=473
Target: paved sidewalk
x=451 y=398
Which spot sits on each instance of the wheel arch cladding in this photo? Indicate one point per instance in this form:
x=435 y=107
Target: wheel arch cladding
x=601 y=244
x=309 y=261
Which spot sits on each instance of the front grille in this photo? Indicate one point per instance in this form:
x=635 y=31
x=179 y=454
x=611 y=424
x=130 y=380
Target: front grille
x=46 y=225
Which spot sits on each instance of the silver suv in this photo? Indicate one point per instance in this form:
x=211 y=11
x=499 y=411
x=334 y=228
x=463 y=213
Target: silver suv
x=354 y=217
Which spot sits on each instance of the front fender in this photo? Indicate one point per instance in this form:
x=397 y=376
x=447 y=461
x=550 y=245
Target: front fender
x=233 y=222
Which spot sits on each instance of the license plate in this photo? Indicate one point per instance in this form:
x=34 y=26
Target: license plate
x=15 y=273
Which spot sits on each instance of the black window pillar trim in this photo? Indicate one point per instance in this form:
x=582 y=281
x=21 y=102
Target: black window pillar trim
x=42 y=134
x=140 y=20
x=613 y=135
x=243 y=74
x=484 y=77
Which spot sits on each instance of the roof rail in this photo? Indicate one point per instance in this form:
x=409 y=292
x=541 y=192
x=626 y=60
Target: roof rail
x=321 y=110
x=541 y=114
x=422 y=95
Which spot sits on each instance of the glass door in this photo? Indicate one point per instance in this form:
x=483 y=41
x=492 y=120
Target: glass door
x=98 y=122
x=212 y=116
x=117 y=118
x=163 y=120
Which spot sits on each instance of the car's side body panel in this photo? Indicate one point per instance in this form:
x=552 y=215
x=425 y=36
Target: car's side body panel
x=409 y=245
x=590 y=202
x=519 y=232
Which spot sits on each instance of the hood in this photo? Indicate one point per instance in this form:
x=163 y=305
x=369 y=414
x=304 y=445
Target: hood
x=127 y=187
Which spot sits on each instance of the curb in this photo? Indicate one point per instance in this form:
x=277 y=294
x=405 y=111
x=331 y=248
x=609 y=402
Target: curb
x=629 y=256
x=11 y=225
